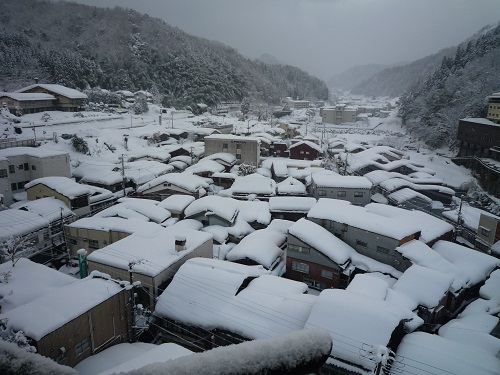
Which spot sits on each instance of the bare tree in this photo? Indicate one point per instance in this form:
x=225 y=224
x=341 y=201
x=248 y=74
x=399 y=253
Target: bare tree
x=14 y=247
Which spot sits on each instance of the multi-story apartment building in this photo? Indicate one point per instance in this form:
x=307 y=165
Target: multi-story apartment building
x=246 y=149
x=339 y=114
x=494 y=108
x=20 y=165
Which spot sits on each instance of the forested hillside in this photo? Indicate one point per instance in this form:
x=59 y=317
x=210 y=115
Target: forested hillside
x=83 y=47
x=396 y=80
x=459 y=88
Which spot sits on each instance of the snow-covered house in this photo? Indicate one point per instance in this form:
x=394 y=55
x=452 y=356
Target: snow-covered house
x=114 y=223
x=290 y=208
x=102 y=176
x=305 y=150
x=70 y=323
x=427 y=289
x=23 y=103
x=364 y=326
x=355 y=189
x=252 y=186
x=291 y=187
x=316 y=257
x=205 y=168
x=427 y=353
x=27 y=281
x=19 y=165
x=76 y=196
x=370 y=234
x=410 y=199
x=213 y=210
x=66 y=99
x=263 y=247
x=224 y=158
x=151 y=257
x=476 y=265
x=174 y=183
x=234 y=301
x=435 y=192
x=432 y=229
x=176 y=204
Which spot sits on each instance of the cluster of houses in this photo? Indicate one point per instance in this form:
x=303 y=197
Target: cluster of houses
x=242 y=237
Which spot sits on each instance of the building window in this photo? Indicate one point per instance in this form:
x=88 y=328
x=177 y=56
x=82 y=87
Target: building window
x=3 y=173
x=361 y=243
x=358 y=194
x=327 y=274
x=300 y=267
x=299 y=249
x=20 y=185
x=26 y=166
x=321 y=193
x=383 y=250
x=20 y=166
x=12 y=169
x=82 y=346
x=33 y=167
x=341 y=194
x=238 y=156
x=93 y=244
x=72 y=241
x=484 y=231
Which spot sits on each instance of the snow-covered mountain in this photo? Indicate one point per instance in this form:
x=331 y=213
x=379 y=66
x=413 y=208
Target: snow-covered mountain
x=82 y=46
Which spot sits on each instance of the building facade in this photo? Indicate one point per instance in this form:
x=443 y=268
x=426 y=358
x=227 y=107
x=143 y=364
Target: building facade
x=494 y=108
x=246 y=149
x=20 y=165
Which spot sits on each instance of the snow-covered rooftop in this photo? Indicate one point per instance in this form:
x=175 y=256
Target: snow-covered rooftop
x=357 y=324
x=291 y=204
x=431 y=354
x=338 y=181
x=19 y=223
x=188 y=181
x=359 y=217
x=475 y=264
x=28 y=281
x=50 y=208
x=176 y=203
x=27 y=96
x=153 y=252
x=267 y=307
x=57 y=89
x=51 y=311
x=63 y=185
x=262 y=246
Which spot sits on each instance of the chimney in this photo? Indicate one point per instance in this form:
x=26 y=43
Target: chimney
x=36 y=80
x=180 y=243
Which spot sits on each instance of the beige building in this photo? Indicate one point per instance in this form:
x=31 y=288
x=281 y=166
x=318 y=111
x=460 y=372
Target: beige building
x=298 y=104
x=494 y=108
x=93 y=233
x=20 y=165
x=66 y=99
x=73 y=194
x=339 y=114
x=246 y=149
x=153 y=258
x=488 y=232
x=23 y=103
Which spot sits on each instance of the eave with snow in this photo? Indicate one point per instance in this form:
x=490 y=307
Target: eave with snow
x=67 y=99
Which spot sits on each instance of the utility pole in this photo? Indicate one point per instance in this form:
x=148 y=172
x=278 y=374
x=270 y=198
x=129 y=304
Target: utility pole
x=123 y=174
x=132 y=299
x=459 y=220
x=172 y=113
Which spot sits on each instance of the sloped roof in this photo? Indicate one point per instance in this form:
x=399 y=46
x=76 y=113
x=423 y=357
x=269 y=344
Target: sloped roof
x=57 y=89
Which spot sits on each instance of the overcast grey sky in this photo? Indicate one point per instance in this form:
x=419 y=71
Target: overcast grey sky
x=325 y=37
